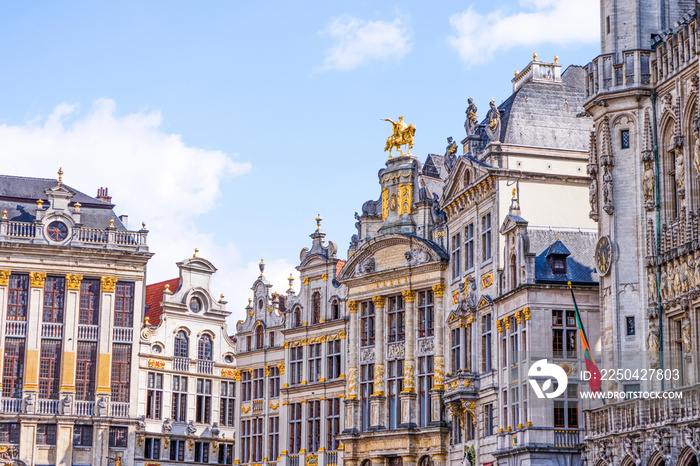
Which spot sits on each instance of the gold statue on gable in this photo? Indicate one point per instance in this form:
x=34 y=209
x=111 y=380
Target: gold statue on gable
x=403 y=135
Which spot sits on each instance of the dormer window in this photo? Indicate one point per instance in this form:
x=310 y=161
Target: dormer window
x=559 y=264
x=556 y=257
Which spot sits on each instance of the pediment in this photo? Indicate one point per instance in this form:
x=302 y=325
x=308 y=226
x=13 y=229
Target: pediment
x=510 y=223
x=455 y=185
x=389 y=252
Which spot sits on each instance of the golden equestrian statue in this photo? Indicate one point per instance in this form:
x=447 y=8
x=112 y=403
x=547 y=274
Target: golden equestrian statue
x=403 y=134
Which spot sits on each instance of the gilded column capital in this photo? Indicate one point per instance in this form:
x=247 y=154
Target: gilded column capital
x=5 y=277
x=518 y=317
x=280 y=366
x=36 y=279
x=409 y=296
x=439 y=290
x=506 y=321
x=73 y=281
x=499 y=325
x=378 y=301
x=108 y=284
x=352 y=307
x=526 y=313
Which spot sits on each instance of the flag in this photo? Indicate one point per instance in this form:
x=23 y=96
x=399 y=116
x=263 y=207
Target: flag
x=595 y=381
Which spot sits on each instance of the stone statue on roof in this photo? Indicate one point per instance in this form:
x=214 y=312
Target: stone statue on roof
x=472 y=122
x=450 y=154
x=493 y=123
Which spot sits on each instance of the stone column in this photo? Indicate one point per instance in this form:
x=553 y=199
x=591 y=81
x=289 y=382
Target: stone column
x=70 y=340
x=408 y=460
x=4 y=282
x=103 y=388
x=439 y=362
x=64 y=443
x=27 y=441
x=377 y=400
x=352 y=403
x=33 y=340
x=408 y=394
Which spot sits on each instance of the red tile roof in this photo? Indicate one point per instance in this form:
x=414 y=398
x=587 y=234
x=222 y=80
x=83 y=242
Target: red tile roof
x=338 y=267
x=154 y=295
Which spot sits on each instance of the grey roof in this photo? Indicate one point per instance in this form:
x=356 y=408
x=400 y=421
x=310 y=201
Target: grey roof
x=580 y=264
x=544 y=114
x=18 y=196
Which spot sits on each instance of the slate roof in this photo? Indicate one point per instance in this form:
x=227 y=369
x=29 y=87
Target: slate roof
x=154 y=295
x=18 y=196
x=543 y=114
x=580 y=264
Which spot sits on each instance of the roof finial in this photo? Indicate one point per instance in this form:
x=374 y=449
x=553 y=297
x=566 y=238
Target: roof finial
x=195 y=252
x=556 y=59
x=534 y=57
x=291 y=280
x=60 y=175
x=558 y=236
x=514 y=190
x=262 y=267
x=318 y=222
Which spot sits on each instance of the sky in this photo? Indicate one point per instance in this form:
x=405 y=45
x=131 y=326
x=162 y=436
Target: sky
x=228 y=126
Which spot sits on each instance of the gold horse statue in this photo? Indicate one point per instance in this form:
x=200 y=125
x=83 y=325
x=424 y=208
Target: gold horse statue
x=403 y=135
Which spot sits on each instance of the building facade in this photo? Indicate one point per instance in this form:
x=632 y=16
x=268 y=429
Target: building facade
x=72 y=282
x=644 y=163
x=187 y=408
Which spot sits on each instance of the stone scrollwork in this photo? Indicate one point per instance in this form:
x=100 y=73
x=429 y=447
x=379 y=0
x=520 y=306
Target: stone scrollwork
x=425 y=346
x=108 y=284
x=396 y=351
x=417 y=256
x=73 y=281
x=367 y=355
x=439 y=371
x=409 y=383
x=352 y=383
x=4 y=277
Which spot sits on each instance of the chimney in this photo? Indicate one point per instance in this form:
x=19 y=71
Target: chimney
x=103 y=195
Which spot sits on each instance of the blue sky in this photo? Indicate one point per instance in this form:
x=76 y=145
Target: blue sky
x=228 y=126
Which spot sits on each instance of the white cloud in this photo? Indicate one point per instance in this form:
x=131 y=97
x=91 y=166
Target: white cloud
x=478 y=37
x=153 y=177
x=358 y=42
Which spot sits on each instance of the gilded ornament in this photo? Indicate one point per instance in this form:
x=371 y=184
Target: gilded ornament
x=306 y=282
x=352 y=305
x=409 y=379
x=280 y=366
x=245 y=409
x=108 y=284
x=409 y=296
x=324 y=277
x=402 y=135
x=378 y=380
x=518 y=317
x=499 y=326
x=352 y=383
x=506 y=321
x=439 y=370
x=526 y=313
x=36 y=279
x=275 y=406
x=267 y=371
x=405 y=198
x=378 y=301
x=385 y=203
x=73 y=281
x=439 y=290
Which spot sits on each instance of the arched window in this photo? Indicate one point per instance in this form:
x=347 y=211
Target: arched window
x=335 y=307
x=513 y=272
x=205 y=350
x=425 y=461
x=316 y=306
x=297 y=317
x=259 y=336
x=182 y=345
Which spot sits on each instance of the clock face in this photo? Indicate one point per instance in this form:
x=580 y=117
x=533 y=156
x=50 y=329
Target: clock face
x=603 y=255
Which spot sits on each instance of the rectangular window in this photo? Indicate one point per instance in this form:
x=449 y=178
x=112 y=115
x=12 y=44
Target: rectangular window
x=203 y=414
x=124 y=305
x=397 y=317
x=49 y=369
x=625 y=139
x=455 y=354
x=177 y=450
x=630 y=325
x=486 y=343
x=82 y=435
x=564 y=330
x=246 y=386
x=469 y=247
x=366 y=390
x=367 y=323
x=18 y=293
x=425 y=383
x=53 y=300
x=456 y=256
x=225 y=454
x=294 y=428
x=85 y=365
x=13 y=368
x=426 y=314
x=566 y=408
x=488 y=419
x=201 y=452
x=296 y=362
x=274 y=382
x=486 y=237
x=118 y=437
x=332 y=424
x=179 y=400
x=258 y=384
x=314 y=426
x=227 y=404
x=246 y=438
x=394 y=383
x=46 y=434
x=121 y=372
x=257 y=445
x=151 y=448
x=315 y=362
x=273 y=438
x=154 y=396
x=89 y=313
x=333 y=359
x=9 y=432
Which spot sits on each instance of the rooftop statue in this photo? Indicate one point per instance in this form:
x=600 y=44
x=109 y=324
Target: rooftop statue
x=493 y=123
x=472 y=122
x=402 y=135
